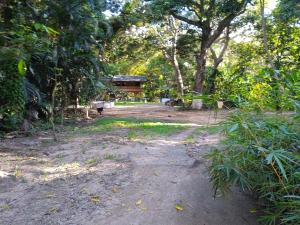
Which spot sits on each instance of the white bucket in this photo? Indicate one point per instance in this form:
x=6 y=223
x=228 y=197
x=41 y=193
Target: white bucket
x=109 y=105
x=197 y=104
x=164 y=100
x=98 y=104
x=220 y=104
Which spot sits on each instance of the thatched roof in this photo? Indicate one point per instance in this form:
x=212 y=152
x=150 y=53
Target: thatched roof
x=129 y=78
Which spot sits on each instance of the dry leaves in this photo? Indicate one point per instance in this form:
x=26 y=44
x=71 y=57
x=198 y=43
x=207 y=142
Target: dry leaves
x=138 y=202
x=95 y=199
x=179 y=207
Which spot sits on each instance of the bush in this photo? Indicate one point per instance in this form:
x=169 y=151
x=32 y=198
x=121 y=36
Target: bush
x=262 y=155
x=12 y=97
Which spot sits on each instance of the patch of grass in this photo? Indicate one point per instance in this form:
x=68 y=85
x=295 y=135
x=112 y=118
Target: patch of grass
x=110 y=157
x=5 y=207
x=132 y=135
x=211 y=129
x=92 y=162
x=190 y=139
x=18 y=173
x=125 y=103
x=137 y=127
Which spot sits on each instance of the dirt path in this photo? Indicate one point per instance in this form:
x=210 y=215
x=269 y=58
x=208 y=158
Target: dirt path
x=108 y=179
x=156 y=111
x=164 y=175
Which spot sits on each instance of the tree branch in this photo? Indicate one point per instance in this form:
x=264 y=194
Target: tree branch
x=219 y=59
x=184 y=19
x=226 y=23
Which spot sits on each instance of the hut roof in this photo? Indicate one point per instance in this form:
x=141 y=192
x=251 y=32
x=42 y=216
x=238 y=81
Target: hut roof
x=129 y=78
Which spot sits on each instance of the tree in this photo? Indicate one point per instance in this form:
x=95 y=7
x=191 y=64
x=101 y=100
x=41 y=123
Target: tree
x=167 y=34
x=51 y=49
x=218 y=59
x=209 y=17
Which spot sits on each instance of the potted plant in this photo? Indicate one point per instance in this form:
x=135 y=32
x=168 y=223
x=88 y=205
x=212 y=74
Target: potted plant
x=197 y=102
x=220 y=104
x=220 y=100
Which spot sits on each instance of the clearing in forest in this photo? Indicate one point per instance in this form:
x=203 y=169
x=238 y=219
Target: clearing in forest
x=136 y=165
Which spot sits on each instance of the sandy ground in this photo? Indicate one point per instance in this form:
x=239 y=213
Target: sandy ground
x=157 y=111
x=105 y=178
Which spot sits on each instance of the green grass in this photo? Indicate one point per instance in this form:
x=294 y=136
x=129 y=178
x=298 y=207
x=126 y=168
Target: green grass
x=211 y=129
x=110 y=157
x=92 y=162
x=133 y=103
x=137 y=127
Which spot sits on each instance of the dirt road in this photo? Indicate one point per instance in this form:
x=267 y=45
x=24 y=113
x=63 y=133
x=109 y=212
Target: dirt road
x=157 y=111
x=106 y=178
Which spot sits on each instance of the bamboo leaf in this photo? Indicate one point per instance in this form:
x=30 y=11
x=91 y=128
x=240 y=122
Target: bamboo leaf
x=22 y=67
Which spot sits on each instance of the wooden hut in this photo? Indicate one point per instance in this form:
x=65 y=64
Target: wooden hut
x=131 y=84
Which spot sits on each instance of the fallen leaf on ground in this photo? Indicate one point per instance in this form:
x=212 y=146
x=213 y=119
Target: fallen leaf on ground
x=84 y=190
x=253 y=210
x=53 y=210
x=5 y=207
x=138 y=202
x=50 y=195
x=95 y=199
x=115 y=190
x=179 y=207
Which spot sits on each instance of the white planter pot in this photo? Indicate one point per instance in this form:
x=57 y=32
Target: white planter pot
x=109 y=105
x=220 y=104
x=98 y=104
x=164 y=100
x=197 y=104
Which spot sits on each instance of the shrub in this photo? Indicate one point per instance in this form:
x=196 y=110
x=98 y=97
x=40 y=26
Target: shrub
x=12 y=98
x=262 y=155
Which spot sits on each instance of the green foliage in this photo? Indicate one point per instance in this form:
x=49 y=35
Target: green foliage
x=56 y=46
x=12 y=101
x=262 y=156
x=12 y=96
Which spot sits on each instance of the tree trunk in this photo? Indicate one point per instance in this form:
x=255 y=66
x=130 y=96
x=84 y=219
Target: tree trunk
x=53 y=108
x=178 y=77
x=265 y=37
x=277 y=87
x=213 y=77
x=200 y=72
x=217 y=61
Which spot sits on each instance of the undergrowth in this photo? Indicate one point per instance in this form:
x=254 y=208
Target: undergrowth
x=262 y=155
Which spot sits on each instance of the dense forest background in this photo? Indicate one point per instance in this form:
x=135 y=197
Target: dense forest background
x=55 y=53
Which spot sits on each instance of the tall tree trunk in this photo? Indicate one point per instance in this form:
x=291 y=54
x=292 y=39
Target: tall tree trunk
x=178 y=76
x=217 y=61
x=171 y=53
x=200 y=72
x=265 y=37
x=53 y=93
x=275 y=79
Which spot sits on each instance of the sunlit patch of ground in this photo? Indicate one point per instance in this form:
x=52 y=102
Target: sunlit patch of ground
x=135 y=127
